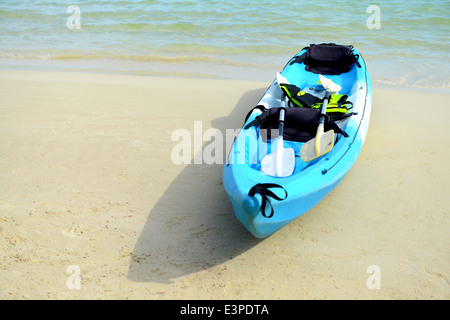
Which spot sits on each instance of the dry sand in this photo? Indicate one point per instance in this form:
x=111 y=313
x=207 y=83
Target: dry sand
x=87 y=180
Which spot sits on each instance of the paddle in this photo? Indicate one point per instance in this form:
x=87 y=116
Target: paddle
x=324 y=141
x=280 y=163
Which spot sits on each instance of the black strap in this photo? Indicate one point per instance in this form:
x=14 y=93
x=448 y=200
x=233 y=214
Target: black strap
x=356 y=57
x=344 y=116
x=258 y=121
x=298 y=59
x=259 y=107
x=263 y=190
x=336 y=128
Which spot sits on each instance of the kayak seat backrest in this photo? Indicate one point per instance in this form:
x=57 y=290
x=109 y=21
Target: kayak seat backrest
x=327 y=59
x=300 y=124
x=330 y=59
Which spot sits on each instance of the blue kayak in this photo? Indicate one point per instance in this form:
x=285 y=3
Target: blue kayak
x=265 y=203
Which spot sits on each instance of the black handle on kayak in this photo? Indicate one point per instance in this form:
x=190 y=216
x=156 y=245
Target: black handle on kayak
x=282 y=114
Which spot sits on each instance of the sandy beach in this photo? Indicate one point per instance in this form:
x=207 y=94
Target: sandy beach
x=88 y=188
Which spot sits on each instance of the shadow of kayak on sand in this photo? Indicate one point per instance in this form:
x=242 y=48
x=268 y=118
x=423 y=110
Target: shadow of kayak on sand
x=206 y=233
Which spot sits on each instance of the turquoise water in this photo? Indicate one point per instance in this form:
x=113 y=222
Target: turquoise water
x=226 y=39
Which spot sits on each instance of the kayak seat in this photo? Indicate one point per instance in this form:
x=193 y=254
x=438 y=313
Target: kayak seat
x=300 y=124
x=327 y=59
